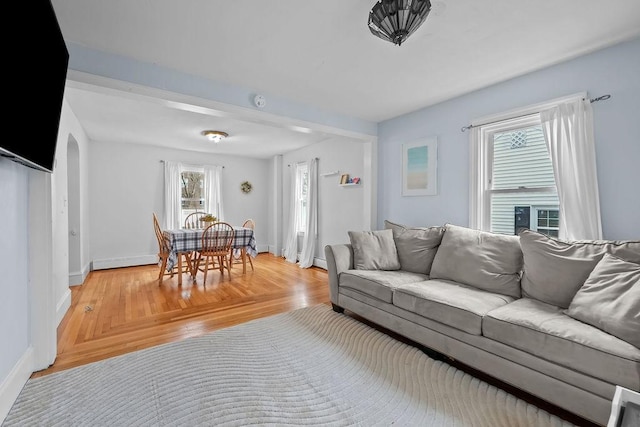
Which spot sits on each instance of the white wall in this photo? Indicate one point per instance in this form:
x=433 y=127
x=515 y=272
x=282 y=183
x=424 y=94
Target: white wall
x=127 y=186
x=14 y=280
x=614 y=71
x=340 y=209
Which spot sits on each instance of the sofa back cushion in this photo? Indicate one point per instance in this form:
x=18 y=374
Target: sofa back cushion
x=488 y=261
x=555 y=269
x=374 y=250
x=416 y=246
x=610 y=299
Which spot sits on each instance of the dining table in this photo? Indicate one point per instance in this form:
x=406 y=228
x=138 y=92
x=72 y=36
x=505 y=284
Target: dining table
x=186 y=240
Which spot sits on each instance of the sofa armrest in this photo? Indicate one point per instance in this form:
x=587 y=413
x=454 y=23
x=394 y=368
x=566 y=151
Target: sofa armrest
x=339 y=258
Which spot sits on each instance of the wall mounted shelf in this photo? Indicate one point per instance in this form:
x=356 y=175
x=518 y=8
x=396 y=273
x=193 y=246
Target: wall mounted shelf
x=350 y=185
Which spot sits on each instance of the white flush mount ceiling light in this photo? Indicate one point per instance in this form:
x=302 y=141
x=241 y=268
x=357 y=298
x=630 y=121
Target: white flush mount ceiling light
x=214 y=135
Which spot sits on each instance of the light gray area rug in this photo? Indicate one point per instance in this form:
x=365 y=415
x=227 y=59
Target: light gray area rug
x=307 y=367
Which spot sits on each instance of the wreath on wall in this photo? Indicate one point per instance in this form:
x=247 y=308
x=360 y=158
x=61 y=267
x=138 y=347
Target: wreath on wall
x=246 y=187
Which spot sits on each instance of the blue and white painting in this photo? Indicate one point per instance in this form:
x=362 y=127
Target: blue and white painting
x=419 y=168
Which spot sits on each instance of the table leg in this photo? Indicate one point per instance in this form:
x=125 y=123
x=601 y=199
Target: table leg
x=179 y=269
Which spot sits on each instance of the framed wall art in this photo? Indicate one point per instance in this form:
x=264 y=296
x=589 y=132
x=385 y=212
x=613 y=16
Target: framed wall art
x=419 y=168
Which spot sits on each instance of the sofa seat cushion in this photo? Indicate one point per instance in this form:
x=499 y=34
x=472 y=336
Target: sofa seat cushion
x=378 y=284
x=545 y=331
x=454 y=304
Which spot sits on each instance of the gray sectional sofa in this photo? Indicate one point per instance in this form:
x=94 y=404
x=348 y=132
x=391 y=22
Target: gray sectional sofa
x=559 y=320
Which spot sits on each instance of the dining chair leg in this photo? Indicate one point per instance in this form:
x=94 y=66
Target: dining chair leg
x=162 y=267
x=249 y=258
x=206 y=268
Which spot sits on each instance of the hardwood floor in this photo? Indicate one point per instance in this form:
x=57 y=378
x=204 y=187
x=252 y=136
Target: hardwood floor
x=122 y=310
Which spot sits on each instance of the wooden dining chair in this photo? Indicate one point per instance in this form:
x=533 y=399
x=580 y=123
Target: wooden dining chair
x=216 y=245
x=164 y=247
x=192 y=221
x=238 y=260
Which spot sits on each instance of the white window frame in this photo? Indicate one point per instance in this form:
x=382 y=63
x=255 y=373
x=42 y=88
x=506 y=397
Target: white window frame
x=481 y=155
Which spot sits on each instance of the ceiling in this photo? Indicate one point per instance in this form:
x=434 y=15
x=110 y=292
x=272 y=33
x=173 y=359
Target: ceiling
x=322 y=54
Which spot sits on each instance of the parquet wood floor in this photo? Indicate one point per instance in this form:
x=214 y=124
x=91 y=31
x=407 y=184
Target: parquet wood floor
x=122 y=310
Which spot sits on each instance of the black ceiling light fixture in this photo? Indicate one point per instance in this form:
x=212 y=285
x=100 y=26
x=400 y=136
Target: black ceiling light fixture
x=396 y=20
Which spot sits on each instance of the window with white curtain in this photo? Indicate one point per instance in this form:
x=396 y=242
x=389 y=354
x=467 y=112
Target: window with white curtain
x=191 y=188
x=302 y=188
x=524 y=165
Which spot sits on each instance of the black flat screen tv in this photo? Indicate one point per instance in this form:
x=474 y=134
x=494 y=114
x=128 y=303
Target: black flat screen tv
x=41 y=81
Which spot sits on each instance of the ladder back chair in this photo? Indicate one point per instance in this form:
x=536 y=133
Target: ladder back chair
x=237 y=259
x=192 y=220
x=217 y=240
x=164 y=248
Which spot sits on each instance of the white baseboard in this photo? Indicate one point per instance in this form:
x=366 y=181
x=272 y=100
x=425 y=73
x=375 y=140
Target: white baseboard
x=63 y=305
x=103 y=264
x=11 y=386
x=262 y=248
x=319 y=262
x=275 y=250
x=77 y=278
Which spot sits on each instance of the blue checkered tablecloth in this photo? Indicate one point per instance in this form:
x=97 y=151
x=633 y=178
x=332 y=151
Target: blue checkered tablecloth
x=187 y=240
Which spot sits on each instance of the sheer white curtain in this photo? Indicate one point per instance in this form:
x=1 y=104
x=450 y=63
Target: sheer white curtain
x=172 y=195
x=568 y=131
x=311 y=227
x=291 y=243
x=213 y=191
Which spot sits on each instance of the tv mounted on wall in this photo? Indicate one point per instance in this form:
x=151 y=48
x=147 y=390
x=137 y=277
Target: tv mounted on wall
x=41 y=80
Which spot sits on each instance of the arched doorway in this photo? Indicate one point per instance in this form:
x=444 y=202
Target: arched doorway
x=73 y=191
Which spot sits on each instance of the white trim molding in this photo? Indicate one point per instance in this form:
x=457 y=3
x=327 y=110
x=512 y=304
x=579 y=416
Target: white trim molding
x=15 y=381
x=104 y=264
x=63 y=305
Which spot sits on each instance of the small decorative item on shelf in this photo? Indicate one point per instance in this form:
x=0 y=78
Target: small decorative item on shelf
x=344 y=179
x=246 y=187
x=208 y=219
x=356 y=180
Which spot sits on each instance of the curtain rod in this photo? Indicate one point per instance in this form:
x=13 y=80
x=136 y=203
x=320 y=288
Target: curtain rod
x=289 y=165
x=187 y=164
x=465 y=128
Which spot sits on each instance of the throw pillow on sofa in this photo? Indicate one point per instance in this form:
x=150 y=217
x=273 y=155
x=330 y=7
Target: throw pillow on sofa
x=555 y=269
x=374 y=250
x=416 y=246
x=610 y=299
x=488 y=261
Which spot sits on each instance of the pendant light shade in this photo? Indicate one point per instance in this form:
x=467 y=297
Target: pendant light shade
x=396 y=20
